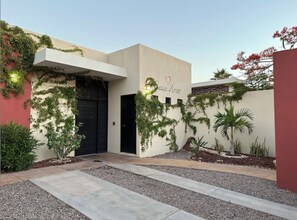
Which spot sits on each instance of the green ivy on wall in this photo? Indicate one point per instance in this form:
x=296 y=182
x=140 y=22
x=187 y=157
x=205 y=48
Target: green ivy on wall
x=55 y=102
x=17 y=56
x=151 y=114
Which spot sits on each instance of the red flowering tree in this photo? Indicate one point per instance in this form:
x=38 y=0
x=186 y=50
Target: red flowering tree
x=258 y=67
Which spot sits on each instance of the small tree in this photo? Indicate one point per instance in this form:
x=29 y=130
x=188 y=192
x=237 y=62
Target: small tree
x=221 y=74
x=63 y=139
x=258 y=67
x=231 y=121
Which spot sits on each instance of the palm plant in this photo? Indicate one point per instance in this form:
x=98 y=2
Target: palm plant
x=233 y=121
x=220 y=74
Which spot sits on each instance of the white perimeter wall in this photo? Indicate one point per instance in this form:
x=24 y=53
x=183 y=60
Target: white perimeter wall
x=261 y=103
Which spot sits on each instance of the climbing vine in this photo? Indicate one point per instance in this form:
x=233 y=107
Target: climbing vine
x=17 y=56
x=53 y=93
x=152 y=120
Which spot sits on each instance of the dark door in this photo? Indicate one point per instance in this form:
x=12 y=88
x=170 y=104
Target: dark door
x=88 y=117
x=128 y=124
x=92 y=113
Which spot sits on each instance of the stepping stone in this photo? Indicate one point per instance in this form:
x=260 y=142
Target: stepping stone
x=273 y=208
x=99 y=199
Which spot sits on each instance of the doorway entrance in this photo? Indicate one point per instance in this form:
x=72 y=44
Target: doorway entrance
x=92 y=109
x=128 y=124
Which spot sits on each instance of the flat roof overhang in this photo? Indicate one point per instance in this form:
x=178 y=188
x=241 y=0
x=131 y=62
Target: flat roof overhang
x=69 y=63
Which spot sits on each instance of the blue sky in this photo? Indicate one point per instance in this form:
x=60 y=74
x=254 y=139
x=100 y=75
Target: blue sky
x=206 y=33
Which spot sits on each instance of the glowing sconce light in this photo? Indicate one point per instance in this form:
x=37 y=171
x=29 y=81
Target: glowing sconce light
x=16 y=78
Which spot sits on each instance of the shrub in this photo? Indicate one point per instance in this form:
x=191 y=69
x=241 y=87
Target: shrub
x=259 y=149
x=17 y=145
x=218 y=147
x=237 y=147
x=63 y=139
x=197 y=144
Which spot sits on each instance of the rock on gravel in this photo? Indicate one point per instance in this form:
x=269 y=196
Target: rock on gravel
x=257 y=187
x=197 y=204
x=24 y=200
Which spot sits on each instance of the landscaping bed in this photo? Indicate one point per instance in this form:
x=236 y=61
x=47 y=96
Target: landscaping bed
x=210 y=156
x=265 y=162
x=55 y=162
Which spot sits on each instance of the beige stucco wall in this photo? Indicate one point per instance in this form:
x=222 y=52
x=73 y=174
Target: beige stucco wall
x=261 y=103
x=142 y=62
x=87 y=52
x=174 y=79
x=128 y=58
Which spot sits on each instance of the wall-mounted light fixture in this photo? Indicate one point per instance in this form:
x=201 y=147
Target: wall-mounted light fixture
x=16 y=78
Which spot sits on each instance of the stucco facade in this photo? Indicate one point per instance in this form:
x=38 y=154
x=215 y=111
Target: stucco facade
x=125 y=72
x=174 y=79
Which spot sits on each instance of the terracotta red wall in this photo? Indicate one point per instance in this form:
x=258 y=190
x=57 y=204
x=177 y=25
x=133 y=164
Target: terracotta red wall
x=12 y=109
x=285 y=97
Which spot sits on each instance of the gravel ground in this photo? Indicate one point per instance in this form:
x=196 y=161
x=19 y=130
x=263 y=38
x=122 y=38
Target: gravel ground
x=24 y=200
x=197 y=204
x=253 y=186
x=180 y=155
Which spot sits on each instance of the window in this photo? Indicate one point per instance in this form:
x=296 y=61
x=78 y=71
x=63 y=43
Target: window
x=168 y=100
x=179 y=101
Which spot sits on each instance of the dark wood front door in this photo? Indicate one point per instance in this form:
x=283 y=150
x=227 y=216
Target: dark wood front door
x=88 y=116
x=92 y=113
x=128 y=124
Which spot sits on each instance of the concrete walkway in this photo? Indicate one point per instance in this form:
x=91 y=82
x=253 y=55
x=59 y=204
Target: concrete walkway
x=268 y=174
x=9 y=178
x=98 y=199
x=281 y=210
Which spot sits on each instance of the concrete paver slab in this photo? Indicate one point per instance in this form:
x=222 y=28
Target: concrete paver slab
x=99 y=199
x=182 y=215
x=262 y=205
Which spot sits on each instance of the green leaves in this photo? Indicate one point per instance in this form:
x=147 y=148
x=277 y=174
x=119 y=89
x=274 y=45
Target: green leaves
x=151 y=119
x=63 y=138
x=17 y=147
x=197 y=144
x=233 y=121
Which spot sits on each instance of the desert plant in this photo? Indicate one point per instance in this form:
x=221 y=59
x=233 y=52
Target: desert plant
x=197 y=144
x=172 y=140
x=218 y=147
x=233 y=121
x=64 y=138
x=259 y=149
x=237 y=146
x=17 y=145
